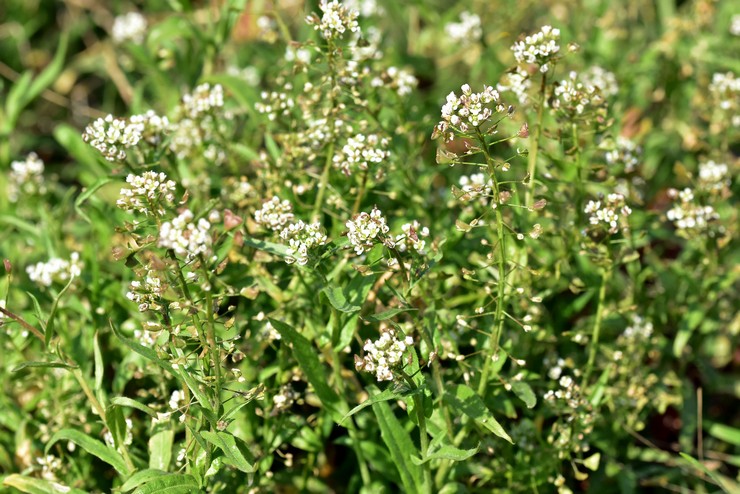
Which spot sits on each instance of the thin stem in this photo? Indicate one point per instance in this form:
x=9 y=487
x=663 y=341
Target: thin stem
x=534 y=146
x=319 y=204
x=501 y=241
x=361 y=193
x=212 y=343
x=23 y=323
x=423 y=436
x=605 y=277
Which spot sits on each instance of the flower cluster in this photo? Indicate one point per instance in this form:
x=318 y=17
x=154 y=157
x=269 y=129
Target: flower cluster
x=26 y=177
x=601 y=78
x=275 y=214
x=147 y=293
x=56 y=269
x=410 y=238
x=335 y=21
x=129 y=27
x=383 y=354
x=467 y=31
x=151 y=126
x=475 y=185
x=361 y=150
x=725 y=90
x=301 y=237
x=149 y=192
x=275 y=103
x=468 y=111
x=713 y=176
x=573 y=97
x=285 y=398
x=539 y=48
x=688 y=216
x=518 y=82
x=111 y=136
x=625 y=153
x=400 y=80
x=204 y=99
x=607 y=212
x=367 y=229
x=639 y=329
x=185 y=236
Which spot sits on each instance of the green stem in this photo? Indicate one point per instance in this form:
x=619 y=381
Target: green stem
x=319 y=204
x=423 y=435
x=351 y=428
x=501 y=295
x=605 y=277
x=361 y=193
x=580 y=178
x=212 y=343
x=535 y=145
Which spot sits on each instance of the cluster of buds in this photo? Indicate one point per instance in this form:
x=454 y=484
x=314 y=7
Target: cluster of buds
x=335 y=20
x=150 y=192
x=275 y=103
x=573 y=97
x=275 y=214
x=383 y=355
x=360 y=151
x=625 y=153
x=302 y=237
x=412 y=238
x=26 y=177
x=56 y=269
x=688 y=216
x=147 y=293
x=285 y=398
x=204 y=99
x=151 y=126
x=539 y=49
x=366 y=229
x=469 y=111
x=607 y=212
x=111 y=136
x=185 y=236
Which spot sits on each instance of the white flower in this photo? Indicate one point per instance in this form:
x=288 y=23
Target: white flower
x=204 y=99
x=186 y=237
x=383 y=355
x=607 y=212
x=56 y=269
x=574 y=97
x=275 y=214
x=151 y=126
x=149 y=192
x=26 y=177
x=539 y=48
x=469 y=110
x=129 y=27
x=688 y=216
x=467 y=31
x=411 y=238
x=518 y=83
x=111 y=136
x=365 y=230
x=713 y=176
x=360 y=151
x=601 y=78
x=625 y=153
x=301 y=238
x=335 y=20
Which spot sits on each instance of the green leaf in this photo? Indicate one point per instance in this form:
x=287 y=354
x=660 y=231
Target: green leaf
x=447 y=452
x=269 y=247
x=524 y=392
x=160 y=449
x=307 y=358
x=700 y=466
x=99 y=368
x=387 y=314
x=386 y=395
x=401 y=448
x=15 y=101
x=173 y=483
x=50 y=73
x=32 y=485
x=116 y=423
x=464 y=400
x=228 y=444
x=141 y=477
x=151 y=355
x=92 y=446
x=87 y=193
x=123 y=401
x=49 y=326
x=338 y=300
x=43 y=365
x=725 y=433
